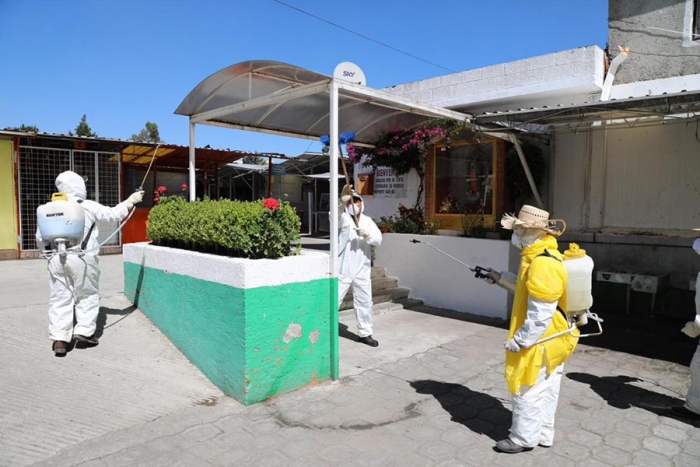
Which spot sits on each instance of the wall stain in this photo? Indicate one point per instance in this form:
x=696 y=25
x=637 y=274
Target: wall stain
x=293 y=331
x=313 y=335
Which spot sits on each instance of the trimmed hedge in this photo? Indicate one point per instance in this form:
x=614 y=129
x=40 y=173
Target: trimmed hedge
x=244 y=229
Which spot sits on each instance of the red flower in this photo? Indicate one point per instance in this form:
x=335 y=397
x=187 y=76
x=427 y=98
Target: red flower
x=183 y=187
x=162 y=189
x=156 y=199
x=271 y=203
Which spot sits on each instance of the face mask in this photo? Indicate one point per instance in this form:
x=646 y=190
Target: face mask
x=523 y=238
x=353 y=209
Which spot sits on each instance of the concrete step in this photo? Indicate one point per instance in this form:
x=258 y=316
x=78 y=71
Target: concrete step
x=377 y=272
x=384 y=295
x=377 y=309
x=409 y=302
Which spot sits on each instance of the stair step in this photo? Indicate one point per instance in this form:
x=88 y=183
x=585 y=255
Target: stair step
x=384 y=295
x=377 y=309
x=379 y=284
x=409 y=302
x=377 y=271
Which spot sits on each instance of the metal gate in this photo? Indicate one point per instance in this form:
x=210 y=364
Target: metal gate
x=38 y=168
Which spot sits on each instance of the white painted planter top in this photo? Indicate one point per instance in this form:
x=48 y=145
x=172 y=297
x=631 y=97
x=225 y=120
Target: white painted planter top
x=236 y=272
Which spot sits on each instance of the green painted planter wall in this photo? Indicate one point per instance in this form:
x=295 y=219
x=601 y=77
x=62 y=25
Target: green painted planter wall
x=252 y=340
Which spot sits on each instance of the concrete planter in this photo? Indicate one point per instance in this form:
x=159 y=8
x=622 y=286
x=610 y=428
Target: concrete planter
x=441 y=281
x=255 y=328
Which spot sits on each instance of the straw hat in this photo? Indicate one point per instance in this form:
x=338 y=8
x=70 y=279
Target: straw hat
x=531 y=217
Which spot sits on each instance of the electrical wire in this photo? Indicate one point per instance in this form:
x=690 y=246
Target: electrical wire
x=363 y=36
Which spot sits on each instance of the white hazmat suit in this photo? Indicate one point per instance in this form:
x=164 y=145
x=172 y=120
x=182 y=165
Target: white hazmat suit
x=355 y=244
x=692 y=329
x=75 y=279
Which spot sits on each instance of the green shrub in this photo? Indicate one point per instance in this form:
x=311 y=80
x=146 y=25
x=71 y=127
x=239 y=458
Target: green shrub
x=407 y=221
x=244 y=229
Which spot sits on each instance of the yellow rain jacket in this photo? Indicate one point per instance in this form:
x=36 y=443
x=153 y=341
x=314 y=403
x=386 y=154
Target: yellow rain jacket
x=544 y=278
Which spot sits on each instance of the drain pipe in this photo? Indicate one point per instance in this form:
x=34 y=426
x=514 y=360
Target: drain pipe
x=605 y=96
x=610 y=77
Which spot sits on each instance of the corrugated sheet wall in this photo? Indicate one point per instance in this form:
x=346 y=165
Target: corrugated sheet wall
x=634 y=178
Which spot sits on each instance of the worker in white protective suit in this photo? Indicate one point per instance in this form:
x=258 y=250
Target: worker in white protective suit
x=533 y=370
x=75 y=278
x=691 y=408
x=357 y=234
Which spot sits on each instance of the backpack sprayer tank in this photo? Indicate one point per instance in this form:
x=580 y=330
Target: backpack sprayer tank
x=61 y=222
x=579 y=299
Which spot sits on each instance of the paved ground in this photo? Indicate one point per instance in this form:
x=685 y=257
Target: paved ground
x=431 y=394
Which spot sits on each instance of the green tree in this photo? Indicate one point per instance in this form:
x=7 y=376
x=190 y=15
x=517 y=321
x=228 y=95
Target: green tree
x=149 y=134
x=83 y=129
x=257 y=160
x=23 y=127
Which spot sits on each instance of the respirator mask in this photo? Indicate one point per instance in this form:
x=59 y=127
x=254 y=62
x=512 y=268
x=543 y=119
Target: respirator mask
x=523 y=238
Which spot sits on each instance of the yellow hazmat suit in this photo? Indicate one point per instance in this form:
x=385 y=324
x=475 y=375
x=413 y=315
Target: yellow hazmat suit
x=544 y=278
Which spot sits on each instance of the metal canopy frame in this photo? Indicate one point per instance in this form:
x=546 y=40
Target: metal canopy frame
x=278 y=98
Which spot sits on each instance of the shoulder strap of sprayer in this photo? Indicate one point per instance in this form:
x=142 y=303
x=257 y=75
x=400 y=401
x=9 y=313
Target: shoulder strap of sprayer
x=549 y=255
x=85 y=241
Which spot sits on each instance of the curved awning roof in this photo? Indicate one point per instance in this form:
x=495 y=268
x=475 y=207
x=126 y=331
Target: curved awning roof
x=275 y=97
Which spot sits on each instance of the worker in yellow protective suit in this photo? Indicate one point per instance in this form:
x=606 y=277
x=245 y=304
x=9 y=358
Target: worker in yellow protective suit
x=534 y=369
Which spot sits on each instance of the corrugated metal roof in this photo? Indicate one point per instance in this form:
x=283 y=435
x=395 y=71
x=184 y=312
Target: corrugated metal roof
x=141 y=153
x=684 y=104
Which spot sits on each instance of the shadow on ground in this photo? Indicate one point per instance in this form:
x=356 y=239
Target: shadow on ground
x=102 y=317
x=621 y=392
x=344 y=332
x=655 y=337
x=479 y=412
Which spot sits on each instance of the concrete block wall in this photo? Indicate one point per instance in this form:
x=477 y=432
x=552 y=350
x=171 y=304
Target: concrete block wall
x=576 y=69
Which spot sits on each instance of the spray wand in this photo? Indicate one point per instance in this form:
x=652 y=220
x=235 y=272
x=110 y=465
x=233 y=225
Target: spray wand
x=478 y=270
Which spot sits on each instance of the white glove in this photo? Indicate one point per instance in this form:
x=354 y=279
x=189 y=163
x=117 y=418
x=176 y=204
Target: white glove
x=511 y=346
x=492 y=276
x=135 y=198
x=346 y=194
x=690 y=329
x=362 y=232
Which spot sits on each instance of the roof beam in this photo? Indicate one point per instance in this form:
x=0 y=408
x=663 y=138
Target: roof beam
x=278 y=98
x=392 y=101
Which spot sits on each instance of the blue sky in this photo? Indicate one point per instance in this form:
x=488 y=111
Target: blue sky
x=126 y=62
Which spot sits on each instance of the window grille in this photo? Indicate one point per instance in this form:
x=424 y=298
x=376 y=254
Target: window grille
x=38 y=168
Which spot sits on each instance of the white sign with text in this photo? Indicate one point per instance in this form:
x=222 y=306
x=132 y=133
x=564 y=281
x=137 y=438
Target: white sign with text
x=387 y=184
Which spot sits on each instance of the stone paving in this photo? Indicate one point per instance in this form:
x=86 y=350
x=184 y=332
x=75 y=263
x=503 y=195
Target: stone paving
x=443 y=407
x=432 y=394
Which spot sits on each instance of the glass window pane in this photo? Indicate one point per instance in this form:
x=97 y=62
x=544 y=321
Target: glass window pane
x=464 y=179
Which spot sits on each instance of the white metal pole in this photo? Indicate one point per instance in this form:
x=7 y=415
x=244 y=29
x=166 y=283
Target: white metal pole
x=333 y=196
x=193 y=190
x=333 y=222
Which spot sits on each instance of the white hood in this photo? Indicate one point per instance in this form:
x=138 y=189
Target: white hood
x=72 y=185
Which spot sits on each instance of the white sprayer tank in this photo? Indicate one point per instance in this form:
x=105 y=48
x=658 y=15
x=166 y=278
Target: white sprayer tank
x=579 y=266
x=61 y=220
